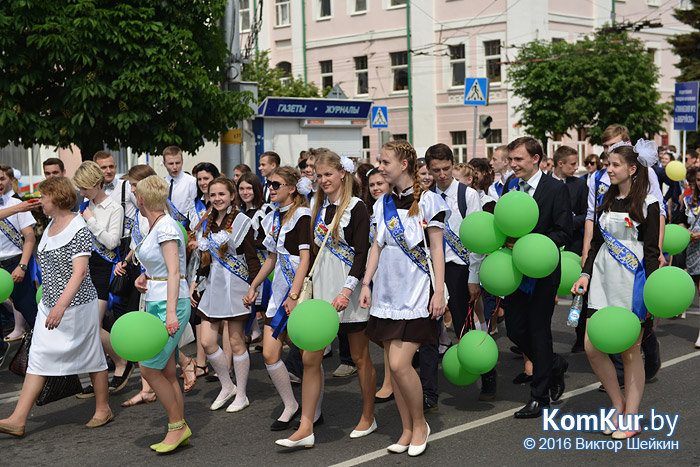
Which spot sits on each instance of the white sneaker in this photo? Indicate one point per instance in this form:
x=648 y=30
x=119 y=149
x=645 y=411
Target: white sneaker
x=344 y=370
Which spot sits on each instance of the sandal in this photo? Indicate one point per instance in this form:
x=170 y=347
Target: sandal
x=140 y=398
x=190 y=374
x=205 y=371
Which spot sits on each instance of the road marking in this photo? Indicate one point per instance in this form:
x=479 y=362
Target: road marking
x=494 y=418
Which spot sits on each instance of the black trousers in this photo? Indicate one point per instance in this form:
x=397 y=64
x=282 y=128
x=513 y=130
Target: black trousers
x=529 y=326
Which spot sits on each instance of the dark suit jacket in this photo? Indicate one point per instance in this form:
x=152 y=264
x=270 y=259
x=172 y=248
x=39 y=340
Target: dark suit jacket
x=578 y=197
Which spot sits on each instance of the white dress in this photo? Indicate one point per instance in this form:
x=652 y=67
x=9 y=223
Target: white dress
x=74 y=346
x=279 y=282
x=224 y=292
x=401 y=289
x=332 y=274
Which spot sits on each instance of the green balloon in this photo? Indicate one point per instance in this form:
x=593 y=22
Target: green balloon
x=571 y=255
x=613 y=329
x=669 y=291
x=454 y=372
x=138 y=336
x=676 y=239
x=535 y=255
x=479 y=233
x=184 y=232
x=313 y=325
x=39 y=293
x=570 y=272
x=477 y=352
x=271 y=276
x=498 y=274
x=7 y=285
x=516 y=214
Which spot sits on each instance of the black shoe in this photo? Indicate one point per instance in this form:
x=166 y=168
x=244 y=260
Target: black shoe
x=87 y=393
x=429 y=405
x=4 y=352
x=381 y=400
x=328 y=355
x=279 y=425
x=488 y=386
x=577 y=348
x=556 y=389
x=652 y=365
x=516 y=350
x=318 y=422
x=522 y=378
x=110 y=364
x=118 y=382
x=533 y=409
x=415 y=361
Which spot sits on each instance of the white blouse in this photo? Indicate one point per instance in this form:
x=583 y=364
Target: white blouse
x=107 y=223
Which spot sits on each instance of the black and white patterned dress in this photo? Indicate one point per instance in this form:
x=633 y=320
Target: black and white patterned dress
x=74 y=346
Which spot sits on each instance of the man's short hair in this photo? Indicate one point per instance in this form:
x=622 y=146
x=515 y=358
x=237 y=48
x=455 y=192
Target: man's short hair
x=99 y=155
x=615 y=130
x=172 y=151
x=54 y=161
x=532 y=146
x=562 y=153
x=440 y=152
x=274 y=158
x=503 y=148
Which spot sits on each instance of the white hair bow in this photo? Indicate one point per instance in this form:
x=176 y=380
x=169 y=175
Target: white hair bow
x=347 y=164
x=647 y=152
x=304 y=186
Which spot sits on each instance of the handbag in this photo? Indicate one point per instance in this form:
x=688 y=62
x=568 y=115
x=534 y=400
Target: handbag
x=19 y=362
x=307 y=287
x=59 y=387
x=120 y=286
x=430 y=259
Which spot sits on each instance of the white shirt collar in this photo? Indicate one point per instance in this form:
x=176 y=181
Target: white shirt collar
x=554 y=176
x=535 y=180
x=285 y=208
x=450 y=189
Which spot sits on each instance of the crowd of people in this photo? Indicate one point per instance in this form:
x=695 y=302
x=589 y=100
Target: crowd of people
x=219 y=256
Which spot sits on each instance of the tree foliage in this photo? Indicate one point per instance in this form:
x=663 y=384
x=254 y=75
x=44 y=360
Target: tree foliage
x=272 y=81
x=135 y=73
x=587 y=86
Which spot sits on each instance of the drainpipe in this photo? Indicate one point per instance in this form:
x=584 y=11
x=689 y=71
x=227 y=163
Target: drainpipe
x=303 y=36
x=410 y=85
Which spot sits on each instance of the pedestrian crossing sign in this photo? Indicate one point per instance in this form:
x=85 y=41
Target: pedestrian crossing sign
x=476 y=91
x=380 y=117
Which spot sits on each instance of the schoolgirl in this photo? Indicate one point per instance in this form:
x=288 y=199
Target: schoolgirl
x=404 y=319
x=692 y=253
x=229 y=262
x=628 y=221
x=287 y=242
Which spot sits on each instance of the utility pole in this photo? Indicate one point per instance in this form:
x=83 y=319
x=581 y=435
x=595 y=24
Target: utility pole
x=231 y=153
x=612 y=13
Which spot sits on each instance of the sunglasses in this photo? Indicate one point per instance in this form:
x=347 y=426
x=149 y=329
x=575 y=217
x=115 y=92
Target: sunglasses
x=276 y=185
x=590 y=163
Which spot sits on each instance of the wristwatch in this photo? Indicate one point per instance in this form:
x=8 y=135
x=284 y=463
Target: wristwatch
x=294 y=296
x=23 y=267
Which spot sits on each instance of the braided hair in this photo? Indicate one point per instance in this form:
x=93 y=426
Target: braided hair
x=213 y=214
x=404 y=151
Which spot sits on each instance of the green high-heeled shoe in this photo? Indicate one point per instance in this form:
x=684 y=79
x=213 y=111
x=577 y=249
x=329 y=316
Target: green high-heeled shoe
x=183 y=441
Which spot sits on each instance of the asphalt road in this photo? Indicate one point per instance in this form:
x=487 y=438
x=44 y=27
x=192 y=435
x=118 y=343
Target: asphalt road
x=464 y=430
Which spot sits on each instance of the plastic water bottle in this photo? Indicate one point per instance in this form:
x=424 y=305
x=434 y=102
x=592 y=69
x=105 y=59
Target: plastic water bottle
x=575 y=311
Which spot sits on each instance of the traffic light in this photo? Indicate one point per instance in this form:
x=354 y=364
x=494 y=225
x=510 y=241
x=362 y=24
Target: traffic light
x=484 y=126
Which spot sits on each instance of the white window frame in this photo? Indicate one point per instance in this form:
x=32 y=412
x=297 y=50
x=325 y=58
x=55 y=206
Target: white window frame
x=358 y=72
x=280 y=7
x=388 y=4
x=325 y=74
x=366 y=151
x=394 y=69
x=452 y=62
x=490 y=147
x=654 y=2
x=460 y=151
x=352 y=8
x=318 y=8
x=247 y=10
x=481 y=56
x=683 y=5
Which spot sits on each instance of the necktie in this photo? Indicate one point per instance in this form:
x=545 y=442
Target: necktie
x=2 y=201
x=444 y=196
x=109 y=186
x=170 y=193
x=524 y=186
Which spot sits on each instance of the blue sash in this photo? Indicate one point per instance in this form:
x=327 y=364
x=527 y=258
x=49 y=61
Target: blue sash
x=372 y=229
x=629 y=260
x=265 y=298
x=129 y=222
x=452 y=239
x=600 y=187
x=175 y=214
x=200 y=209
x=695 y=210
x=499 y=187
x=232 y=264
x=108 y=255
x=340 y=250
x=393 y=224
x=14 y=236
x=279 y=321
x=136 y=230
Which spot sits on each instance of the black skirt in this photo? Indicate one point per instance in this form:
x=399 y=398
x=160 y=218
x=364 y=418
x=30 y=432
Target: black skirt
x=100 y=273
x=419 y=330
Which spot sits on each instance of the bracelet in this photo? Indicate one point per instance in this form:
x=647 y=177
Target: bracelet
x=344 y=296
x=587 y=276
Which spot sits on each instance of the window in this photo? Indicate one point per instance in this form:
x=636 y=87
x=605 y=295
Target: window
x=360 y=6
x=282 y=13
x=684 y=5
x=399 y=70
x=492 y=55
x=395 y=3
x=399 y=137
x=654 y=2
x=457 y=64
x=557 y=39
x=244 y=11
x=324 y=9
x=326 y=74
x=459 y=145
x=365 y=147
x=361 y=75
x=287 y=68
x=493 y=141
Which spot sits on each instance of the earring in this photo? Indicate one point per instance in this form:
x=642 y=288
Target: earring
x=228 y=210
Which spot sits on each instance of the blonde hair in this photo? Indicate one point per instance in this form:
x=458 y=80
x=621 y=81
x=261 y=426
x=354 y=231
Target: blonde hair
x=88 y=175
x=291 y=176
x=154 y=192
x=172 y=151
x=466 y=171
x=332 y=159
x=404 y=151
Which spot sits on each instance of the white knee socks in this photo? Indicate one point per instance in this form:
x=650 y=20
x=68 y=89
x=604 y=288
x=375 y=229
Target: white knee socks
x=280 y=378
x=241 y=367
x=219 y=363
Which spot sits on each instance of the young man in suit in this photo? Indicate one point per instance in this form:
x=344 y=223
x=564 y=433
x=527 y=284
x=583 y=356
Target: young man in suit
x=565 y=166
x=529 y=311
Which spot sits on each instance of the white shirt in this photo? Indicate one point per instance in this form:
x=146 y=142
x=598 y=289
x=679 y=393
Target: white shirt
x=654 y=190
x=19 y=221
x=107 y=223
x=184 y=192
x=492 y=189
x=533 y=182
x=130 y=208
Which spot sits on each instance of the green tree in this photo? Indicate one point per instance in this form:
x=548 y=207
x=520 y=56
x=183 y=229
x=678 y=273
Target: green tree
x=270 y=79
x=586 y=86
x=687 y=47
x=143 y=74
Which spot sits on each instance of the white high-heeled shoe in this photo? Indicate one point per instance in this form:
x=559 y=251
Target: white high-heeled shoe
x=418 y=450
x=397 y=448
x=307 y=442
x=360 y=433
x=217 y=404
